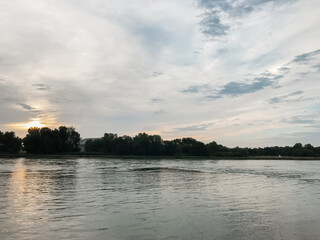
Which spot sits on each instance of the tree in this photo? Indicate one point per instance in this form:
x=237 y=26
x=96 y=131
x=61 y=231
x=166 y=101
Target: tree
x=9 y=143
x=47 y=141
x=68 y=139
x=124 y=145
x=144 y=144
x=32 y=141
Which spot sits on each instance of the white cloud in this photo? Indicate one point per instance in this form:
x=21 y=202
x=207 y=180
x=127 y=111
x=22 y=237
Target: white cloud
x=127 y=66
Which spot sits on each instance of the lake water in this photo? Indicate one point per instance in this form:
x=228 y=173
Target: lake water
x=159 y=199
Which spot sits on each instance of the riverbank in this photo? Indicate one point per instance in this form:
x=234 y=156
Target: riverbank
x=99 y=155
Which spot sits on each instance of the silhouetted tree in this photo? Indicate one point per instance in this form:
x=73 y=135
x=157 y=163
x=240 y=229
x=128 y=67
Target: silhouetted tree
x=144 y=144
x=148 y=145
x=47 y=141
x=123 y=145
x=68 y=139
x=32 y=142
x=9 y=143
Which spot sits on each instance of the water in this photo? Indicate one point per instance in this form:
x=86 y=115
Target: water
x=159 y=199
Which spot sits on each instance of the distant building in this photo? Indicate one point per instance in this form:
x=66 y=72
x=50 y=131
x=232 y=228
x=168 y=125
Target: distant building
x=82 y=143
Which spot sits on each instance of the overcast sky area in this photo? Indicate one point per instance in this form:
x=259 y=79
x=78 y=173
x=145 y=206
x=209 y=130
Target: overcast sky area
x=239 y=72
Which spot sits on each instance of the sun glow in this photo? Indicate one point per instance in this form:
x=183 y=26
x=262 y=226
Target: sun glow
x=39 y=122
x=34 y=123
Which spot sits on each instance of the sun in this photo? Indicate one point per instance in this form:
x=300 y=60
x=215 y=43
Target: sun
x=34 y=123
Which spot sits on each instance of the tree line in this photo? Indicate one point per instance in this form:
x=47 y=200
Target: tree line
x=67 y=139
x=41 y=141
x=153 y=145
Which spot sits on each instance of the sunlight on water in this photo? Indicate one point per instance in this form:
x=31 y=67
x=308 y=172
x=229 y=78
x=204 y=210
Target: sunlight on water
x=158 y=199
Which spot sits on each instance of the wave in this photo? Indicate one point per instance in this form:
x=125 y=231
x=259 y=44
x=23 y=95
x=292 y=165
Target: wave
x=164 y=169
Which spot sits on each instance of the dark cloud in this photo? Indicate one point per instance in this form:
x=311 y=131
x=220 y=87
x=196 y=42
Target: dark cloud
x=212 y=26
x=236 y=88
x=274 y=100
x=214 y=10
x=295 y=93
x=301 y=59
x=283 y=97
x=306 y=57
x=284 y=69
x=235 y=7
x=212 y=97
x=156 y=74
x=197 y=88
x=240 y=88
x=199 y=127
x=25 y=106
x=317 y=67
x=156 y=100
x=278 y=77
x=222 y=4
x=303 y=74
x=191 y=89
x=41 y=87
x=232 y=8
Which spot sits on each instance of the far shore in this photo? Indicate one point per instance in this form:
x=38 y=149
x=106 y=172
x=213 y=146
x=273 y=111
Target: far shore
x=100 y=155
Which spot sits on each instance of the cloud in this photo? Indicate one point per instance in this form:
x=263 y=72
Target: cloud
x=301 y=60
x=240 y=88
x=133 y=66
x=212 y=26
x=303 y=74
x=231 y=8
x=157 y=74
x=212 y=97
x=197 y=88
x=234 y=88
x=156 y=100
x=309 y=120
x=25 y=106
x=215 y=10
x=283 y=97
x=295 y=93
x=41 y=87
x=306 y=57
x=198 y=127
x=284 y=69
x=317 y=67
x=154 y=36
x=159 y=112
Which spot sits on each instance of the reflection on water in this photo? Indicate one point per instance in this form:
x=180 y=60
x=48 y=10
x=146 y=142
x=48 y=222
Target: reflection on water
x=158 y=199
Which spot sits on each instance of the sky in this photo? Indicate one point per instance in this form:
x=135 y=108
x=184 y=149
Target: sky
x=239 y=72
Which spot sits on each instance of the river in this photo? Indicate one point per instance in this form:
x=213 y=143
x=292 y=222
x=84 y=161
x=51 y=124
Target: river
x=95 y=198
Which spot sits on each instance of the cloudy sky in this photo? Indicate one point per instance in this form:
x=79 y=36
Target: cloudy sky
x=240 y=72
